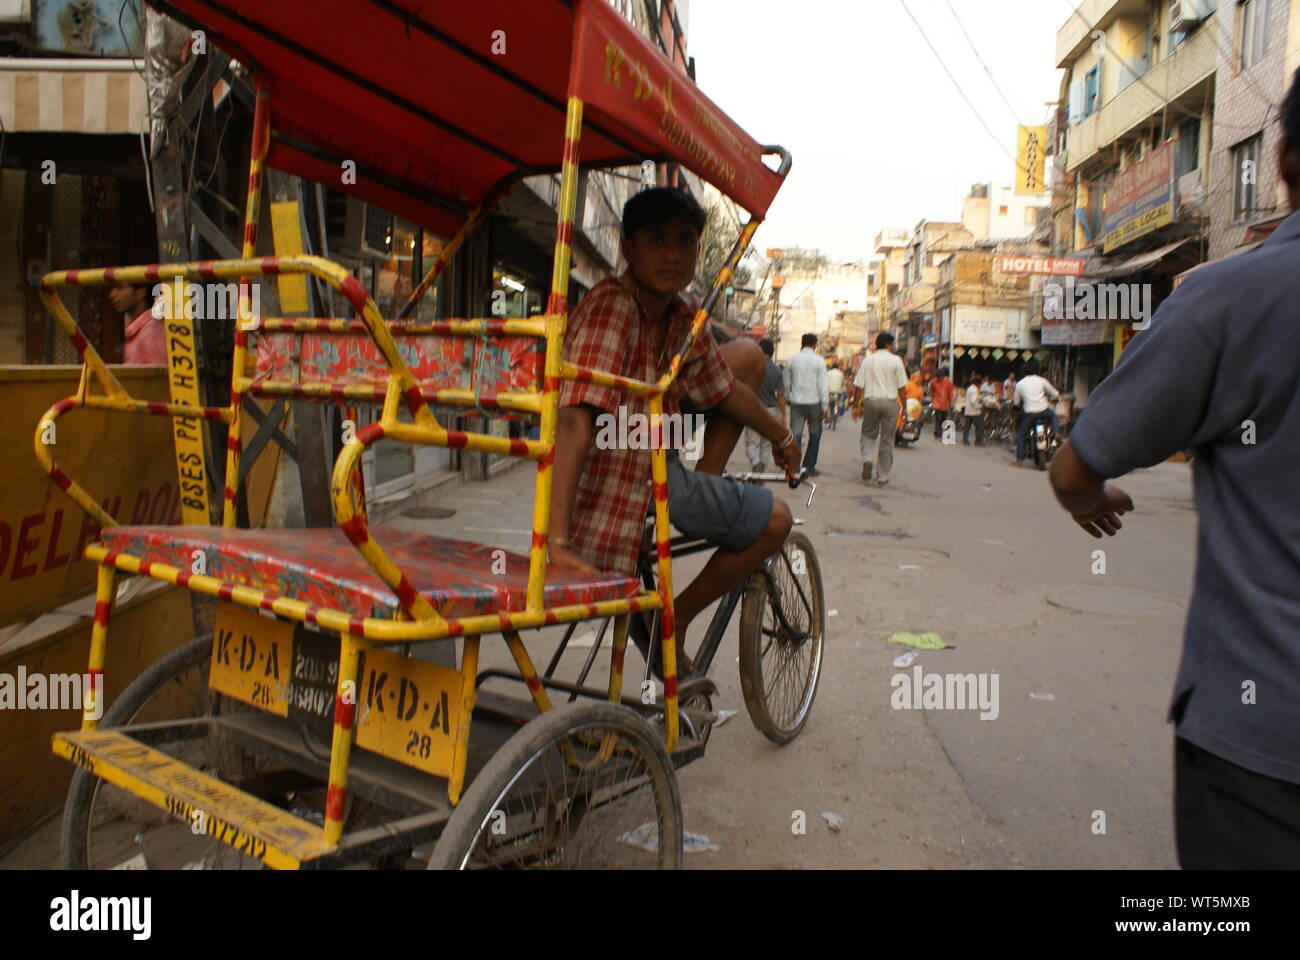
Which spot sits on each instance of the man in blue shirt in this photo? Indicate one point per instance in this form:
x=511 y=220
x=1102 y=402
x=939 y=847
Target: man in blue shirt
x=1217 y=373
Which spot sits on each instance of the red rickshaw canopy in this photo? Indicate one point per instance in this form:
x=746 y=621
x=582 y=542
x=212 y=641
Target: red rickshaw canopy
x=440 y=102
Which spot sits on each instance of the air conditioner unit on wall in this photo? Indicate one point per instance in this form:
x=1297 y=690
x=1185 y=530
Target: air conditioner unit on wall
x=1186 y=14
x=366 y=230
x=15 y=11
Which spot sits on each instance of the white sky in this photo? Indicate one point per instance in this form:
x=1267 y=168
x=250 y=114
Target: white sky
x=879 y=134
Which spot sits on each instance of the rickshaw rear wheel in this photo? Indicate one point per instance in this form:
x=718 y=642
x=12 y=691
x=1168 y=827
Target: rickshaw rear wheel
x=780 y=663
x=104 y=826
x=531 y=807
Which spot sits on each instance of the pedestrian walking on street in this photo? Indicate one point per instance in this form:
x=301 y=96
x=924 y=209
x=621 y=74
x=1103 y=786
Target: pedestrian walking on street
x=807 y=393
x=835 y=387
x=771 y=394
x=941 y=397
x=974 y=412
x=1198 y=379
x=881 y=383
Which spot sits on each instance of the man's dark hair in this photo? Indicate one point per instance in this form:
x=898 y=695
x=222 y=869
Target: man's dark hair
x=976 y=378
x=657 y=207
x=1031 y=368
x=883 y=340
x=809 y=340
x=767 y=346
x=941 y=372
x=1290 y=116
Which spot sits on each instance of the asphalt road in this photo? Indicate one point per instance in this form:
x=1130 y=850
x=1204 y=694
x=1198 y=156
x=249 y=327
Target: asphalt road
x=963 y=545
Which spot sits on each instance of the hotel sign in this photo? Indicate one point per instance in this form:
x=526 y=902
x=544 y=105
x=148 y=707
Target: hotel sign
x=1046 y=266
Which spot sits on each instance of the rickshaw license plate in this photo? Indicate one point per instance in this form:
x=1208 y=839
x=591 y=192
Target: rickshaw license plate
x=407 y=710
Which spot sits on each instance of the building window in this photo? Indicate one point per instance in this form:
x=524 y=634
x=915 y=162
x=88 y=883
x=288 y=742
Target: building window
x=1254 y=32
x=1002 y=211
x=1245 y=173
x=1189 y=147
x=1092 y=90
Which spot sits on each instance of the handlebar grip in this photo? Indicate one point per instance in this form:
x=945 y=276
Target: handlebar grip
x=803 y=475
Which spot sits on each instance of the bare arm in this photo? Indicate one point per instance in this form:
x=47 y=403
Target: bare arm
x=574 y=432
x=1095 y=505
x=742 y=405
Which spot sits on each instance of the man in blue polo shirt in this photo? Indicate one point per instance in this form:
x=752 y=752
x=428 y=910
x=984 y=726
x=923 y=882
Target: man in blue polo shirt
x=1216 y=373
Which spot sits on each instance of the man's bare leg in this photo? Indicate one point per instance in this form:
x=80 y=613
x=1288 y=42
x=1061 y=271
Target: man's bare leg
x=747 y=362
x=726 y=569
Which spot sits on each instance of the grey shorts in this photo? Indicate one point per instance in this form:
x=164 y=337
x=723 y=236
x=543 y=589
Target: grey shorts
x=725 y=512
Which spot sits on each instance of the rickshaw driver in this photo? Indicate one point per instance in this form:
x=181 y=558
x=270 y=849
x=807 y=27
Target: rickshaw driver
x=630 y=325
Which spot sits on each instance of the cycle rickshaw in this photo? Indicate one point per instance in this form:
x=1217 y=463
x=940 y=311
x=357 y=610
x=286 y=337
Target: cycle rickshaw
x=303 y=733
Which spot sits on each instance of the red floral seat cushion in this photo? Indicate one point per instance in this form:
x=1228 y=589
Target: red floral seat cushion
x=322 y=568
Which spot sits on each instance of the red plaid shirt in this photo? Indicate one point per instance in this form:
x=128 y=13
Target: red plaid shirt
x=609 y=332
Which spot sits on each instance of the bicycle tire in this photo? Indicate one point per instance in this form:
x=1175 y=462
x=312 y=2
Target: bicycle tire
x=758 y=622
x=472 y=823
x=143 y=689
x=219 y=757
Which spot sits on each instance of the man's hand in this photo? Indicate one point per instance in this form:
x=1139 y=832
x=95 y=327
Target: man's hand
x=1095 y=505
x=566 y=559
x=789 y=459
x=1105 y=519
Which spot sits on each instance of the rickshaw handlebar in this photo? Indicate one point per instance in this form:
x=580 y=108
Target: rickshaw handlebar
x=784 y=154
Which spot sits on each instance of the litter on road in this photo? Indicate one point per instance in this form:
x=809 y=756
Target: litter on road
x=922 y=641
x=833 y=820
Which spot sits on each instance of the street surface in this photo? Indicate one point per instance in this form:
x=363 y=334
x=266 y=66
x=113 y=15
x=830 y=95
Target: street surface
x=1006 y=578
x=963 y=545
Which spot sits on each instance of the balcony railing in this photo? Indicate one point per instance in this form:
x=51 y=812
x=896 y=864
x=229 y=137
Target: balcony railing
x=1194 y=60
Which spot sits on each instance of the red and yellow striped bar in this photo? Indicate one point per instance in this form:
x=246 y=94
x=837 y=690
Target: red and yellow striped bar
x=345 y=710
x=522 y=401
x=468 y=696
x=616 y=659
x=252 y=211
x=371 y=628
x=92 y=702
x=444 y=258
x=667 y=625
x=638 y=388
x=472 y=327
x=526 y=670
x=702 y=315
x=557 y=310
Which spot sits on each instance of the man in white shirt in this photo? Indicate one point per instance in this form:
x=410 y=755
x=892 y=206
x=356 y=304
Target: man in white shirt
x=881 y=382
x=1035 y=395
x=974 y=413
x=835 y=387
x=807 y=394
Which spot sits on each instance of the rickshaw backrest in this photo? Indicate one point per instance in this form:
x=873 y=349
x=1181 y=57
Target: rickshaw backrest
x=486 y=366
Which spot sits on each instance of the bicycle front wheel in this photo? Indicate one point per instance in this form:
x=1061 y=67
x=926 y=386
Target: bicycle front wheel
x=782 y=634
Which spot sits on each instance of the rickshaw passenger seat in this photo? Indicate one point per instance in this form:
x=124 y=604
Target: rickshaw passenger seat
x=321 y=567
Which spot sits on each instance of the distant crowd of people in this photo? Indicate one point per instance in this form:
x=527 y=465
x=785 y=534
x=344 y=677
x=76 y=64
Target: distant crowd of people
x=811 y=391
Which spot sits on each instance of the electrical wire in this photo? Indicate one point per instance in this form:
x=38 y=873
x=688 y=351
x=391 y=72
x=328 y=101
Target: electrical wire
x=975 y=51
x=978 y=116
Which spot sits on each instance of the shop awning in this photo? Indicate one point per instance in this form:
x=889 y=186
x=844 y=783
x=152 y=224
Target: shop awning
x=439 y=104
x=73 y=96
x=1107 y=269
x=1234 y=252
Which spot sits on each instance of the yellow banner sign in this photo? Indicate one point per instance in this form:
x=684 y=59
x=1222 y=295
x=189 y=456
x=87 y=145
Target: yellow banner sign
x=183 y=380
x=1031 y=160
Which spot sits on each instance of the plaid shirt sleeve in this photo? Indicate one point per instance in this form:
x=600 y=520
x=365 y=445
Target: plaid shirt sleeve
x=596 y=339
